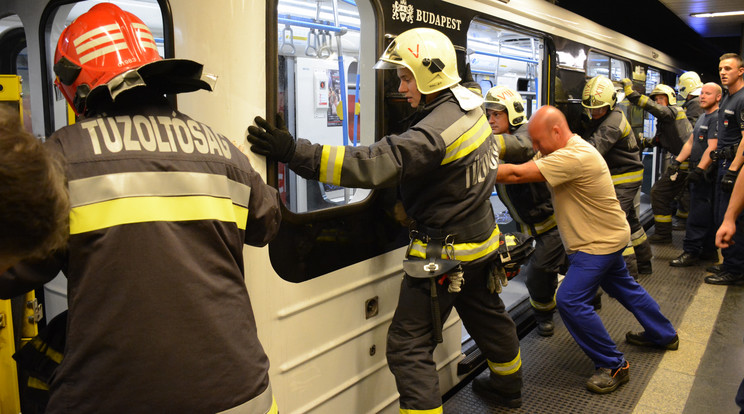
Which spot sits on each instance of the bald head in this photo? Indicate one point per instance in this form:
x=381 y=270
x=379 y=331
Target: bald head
x=710 y=96
x=549 y=129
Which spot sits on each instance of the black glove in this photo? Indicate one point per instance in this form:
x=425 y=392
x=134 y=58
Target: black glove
x=673 y=168
x=273 y=142
x=697 y=175
x=728 y=180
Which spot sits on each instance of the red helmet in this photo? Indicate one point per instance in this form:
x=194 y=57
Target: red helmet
x=100 y=44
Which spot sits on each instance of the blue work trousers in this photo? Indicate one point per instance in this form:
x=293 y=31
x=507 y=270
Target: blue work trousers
x=586 y=273
x=700 y=230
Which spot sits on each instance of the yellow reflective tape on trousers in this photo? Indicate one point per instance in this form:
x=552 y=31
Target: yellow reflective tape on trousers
x=331 y=162
x=638 y=237
x=469 y=141
x=147 y=209
x=506 y=368
x=543 y=306
x=467 y=252
x=437 y=410
x=544 y=226
x=663 y=219
x=630 y=177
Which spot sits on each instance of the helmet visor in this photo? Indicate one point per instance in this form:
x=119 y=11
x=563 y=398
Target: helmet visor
x=384 y=64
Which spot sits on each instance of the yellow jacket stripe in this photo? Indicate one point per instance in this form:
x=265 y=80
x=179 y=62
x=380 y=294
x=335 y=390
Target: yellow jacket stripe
x=625 y=127
x=467 y=252
x=506 y=368
x=469 y=141
x=437 y=410
x=540 y=227
x=630 y=177
x=148 y=209
x=331 y=162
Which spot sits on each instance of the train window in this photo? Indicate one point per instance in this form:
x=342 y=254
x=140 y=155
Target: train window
x=319 y=90
x=14 y=61
x=149 y=11
x=653 y=78
x=601 y=64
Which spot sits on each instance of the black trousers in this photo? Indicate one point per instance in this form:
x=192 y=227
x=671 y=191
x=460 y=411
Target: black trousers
x=663 y=193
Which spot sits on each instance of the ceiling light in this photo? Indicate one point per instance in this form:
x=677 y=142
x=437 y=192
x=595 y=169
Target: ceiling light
x=719 y=14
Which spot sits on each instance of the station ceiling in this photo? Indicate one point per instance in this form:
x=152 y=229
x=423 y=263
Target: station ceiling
x=667 y=26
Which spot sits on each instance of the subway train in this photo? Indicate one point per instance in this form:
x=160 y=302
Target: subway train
x=325 y=290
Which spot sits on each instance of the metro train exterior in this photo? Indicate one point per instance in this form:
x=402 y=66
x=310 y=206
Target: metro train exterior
x=324 y=291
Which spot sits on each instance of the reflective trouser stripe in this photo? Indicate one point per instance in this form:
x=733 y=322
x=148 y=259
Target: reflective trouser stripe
x=541 y=227
x=264 y=403
x=437 y=410
x=629 y=251
x=638 y=237
x=544 y=307
x=663 y=219
x=630 y=177
x=506 y=368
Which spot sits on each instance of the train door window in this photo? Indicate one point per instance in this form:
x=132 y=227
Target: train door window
x=149 y=11
x=319 y=92
x=653 y=78
x=14 y=61
x=500 y=56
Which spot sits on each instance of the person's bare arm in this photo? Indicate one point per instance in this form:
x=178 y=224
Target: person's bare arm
x=519 y=173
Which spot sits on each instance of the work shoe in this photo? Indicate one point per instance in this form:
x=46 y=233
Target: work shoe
x=644 y=268
x=482 y=386
x=725 y=278
x=639 y=338
x=606 y=380
x=716 y=268
x=545 y=328
x=684 y=260
x=660 y=238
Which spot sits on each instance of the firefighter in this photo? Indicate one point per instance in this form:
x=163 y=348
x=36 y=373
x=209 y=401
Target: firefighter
x=672 y=130
x=730 y=159
x=699 y=233
x=529 y=204
x=609 y=131
x=34 y=205
x=688 y=85
x=161 y=206
x=445 y=167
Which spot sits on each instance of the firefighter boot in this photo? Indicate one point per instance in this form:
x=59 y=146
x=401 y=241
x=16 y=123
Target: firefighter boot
x=505 y=390
x=662 y=233
x=544 y=321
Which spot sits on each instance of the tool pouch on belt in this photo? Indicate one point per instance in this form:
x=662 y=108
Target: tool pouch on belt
x=514 y=250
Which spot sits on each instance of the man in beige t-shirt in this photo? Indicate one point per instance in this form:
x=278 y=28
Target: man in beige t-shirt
x=594 y=231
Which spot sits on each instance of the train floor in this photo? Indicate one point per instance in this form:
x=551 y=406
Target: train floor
x=701 y=377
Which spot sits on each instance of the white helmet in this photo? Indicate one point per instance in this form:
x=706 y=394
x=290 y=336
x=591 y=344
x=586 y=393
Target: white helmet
x=689 y=83
x=664 y=90
x=599 y=92
x=501 y=98
x=428 y=54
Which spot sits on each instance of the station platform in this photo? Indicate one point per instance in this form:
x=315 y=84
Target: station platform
x=701 y=377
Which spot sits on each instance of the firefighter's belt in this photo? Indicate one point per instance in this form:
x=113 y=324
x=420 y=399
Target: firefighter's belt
x=433 y=265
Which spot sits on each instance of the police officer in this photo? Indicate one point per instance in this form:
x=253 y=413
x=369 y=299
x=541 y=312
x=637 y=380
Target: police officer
x=445 y=166
x=529 y=204
x=610 y=132
x=161 y=207
x=699 y=235
x=730 y=160
x=672 y=130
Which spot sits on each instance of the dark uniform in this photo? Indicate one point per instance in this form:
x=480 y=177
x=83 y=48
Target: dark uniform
x=730 y=127
x=159 y=316
x=445 y=167
x=700 y=231
x=693 y=111
x=672 y=131
x=531 y=207
x=615 y=140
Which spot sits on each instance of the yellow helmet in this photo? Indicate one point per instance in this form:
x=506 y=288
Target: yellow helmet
x=501 y=98
x=664 y=90
x=688 y=83
x=599 y=92
x=428 y=54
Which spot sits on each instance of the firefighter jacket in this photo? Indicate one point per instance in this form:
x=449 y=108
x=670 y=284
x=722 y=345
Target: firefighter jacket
x=529 y=204
x=613 y=137
x=444 y=165
x=705 y=128
x=159 y=316
x=672 y=127
x=692 y=109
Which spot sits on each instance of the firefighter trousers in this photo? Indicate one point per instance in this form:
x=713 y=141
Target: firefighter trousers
x=733 y=256
x=410 y=343
x=663 y=194
x=639 y=249
x=541 y=272
x=586 y=273
x=700 y=232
